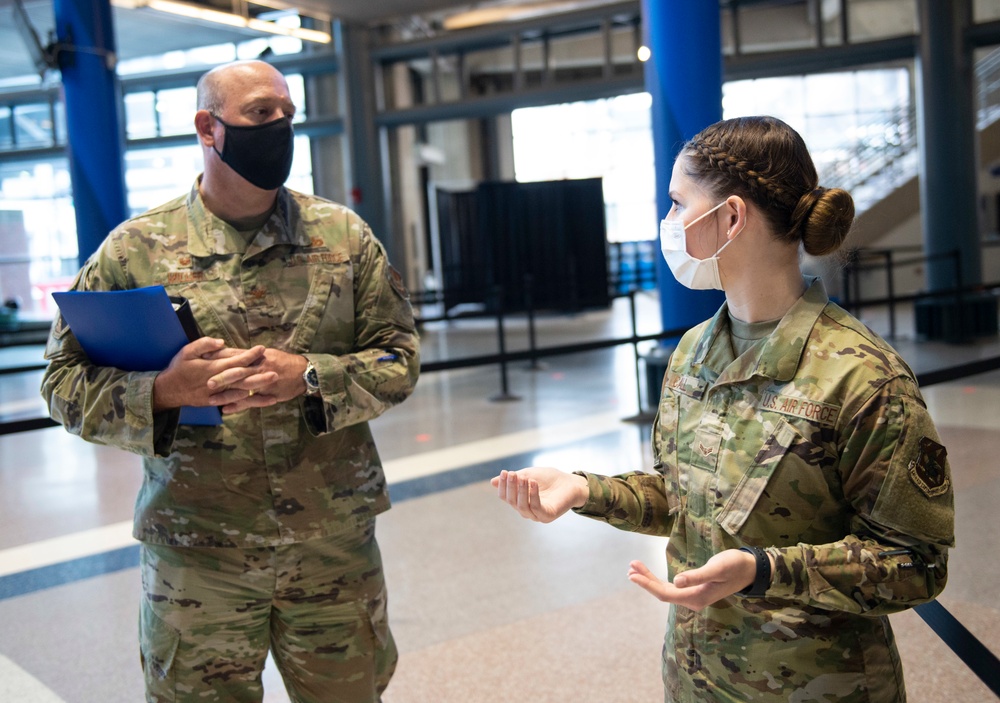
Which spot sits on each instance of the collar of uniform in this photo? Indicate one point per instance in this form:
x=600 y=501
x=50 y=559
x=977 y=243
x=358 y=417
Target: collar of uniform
x=781 y=352
x=209 y=236
x=778 y=356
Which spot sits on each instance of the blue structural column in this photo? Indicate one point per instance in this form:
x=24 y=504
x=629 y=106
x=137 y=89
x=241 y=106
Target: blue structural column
x=684 y=77
x=948 y=201
x=93 y=118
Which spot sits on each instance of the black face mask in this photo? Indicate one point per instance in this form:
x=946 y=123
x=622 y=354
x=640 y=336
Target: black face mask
x=261 y=153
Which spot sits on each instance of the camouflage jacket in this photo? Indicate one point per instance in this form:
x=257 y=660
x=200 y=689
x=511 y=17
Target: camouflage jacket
x=313 y=281
x=815 y=445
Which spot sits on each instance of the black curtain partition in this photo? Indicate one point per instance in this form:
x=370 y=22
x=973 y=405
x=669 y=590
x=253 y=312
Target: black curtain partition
x=551 y=233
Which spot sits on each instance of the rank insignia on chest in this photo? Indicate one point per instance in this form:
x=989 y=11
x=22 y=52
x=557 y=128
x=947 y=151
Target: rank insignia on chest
x=927 y=470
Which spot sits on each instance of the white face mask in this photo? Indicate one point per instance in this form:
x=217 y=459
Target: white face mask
x=697 y=274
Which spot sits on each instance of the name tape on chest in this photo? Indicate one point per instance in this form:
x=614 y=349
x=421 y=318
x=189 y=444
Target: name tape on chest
x=770 y=400
x=177 y=277
x=191 y=275
x=821 y=413
x=688 y=385
x=318 y=257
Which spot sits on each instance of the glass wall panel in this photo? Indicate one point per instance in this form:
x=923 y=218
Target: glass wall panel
x=829 y=92
x=778 y=27
x=490 y=71
x=140 y=115
x=33 y=126
x=575 y=56
x=857 y=125
x=6 y=127
x=38 y=247
x=297 y=92
x=155 y=176
x=880 y=19
x=532 y=62
x=833 y=25
x=985 y=10
x=175 y=110
x=60 y=133
x=611 y=139
x=625 y=43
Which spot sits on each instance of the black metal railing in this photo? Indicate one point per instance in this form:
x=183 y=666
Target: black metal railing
x=862 y=261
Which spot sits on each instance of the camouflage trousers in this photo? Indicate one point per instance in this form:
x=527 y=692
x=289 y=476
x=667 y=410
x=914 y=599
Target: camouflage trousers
x=209 y=616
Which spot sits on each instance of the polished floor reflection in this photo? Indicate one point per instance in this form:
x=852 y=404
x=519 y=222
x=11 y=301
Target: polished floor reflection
x=485 y=606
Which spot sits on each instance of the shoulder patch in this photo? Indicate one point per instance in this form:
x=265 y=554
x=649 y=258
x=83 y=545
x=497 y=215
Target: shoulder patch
x=927 y=470
x=396 y=281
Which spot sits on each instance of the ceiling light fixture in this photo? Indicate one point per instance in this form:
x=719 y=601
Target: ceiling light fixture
x=205 y=14
x=511 y=12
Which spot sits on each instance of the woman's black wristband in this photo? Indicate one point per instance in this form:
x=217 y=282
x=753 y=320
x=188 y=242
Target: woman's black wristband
x=762 y=579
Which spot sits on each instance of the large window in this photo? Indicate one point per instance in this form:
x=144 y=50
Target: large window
x=608 y=138
x=867 y=130
x=37 y=233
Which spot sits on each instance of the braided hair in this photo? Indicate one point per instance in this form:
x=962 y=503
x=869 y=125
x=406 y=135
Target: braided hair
x=763 y=160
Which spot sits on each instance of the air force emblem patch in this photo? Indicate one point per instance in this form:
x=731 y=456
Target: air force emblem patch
x=927 y=470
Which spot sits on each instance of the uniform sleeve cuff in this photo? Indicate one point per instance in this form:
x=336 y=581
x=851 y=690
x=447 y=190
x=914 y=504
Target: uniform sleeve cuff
x=332 y=382
x=150 y=434
x=594 y=491
x=789 y=579
x=139 y=400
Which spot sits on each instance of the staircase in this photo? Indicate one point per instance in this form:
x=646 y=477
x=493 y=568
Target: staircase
x=880 y=166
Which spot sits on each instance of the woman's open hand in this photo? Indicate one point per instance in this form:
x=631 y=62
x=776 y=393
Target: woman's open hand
x=723 y=575
x=541 y=493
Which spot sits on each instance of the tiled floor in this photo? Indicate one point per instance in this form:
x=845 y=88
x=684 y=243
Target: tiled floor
x=485 y=606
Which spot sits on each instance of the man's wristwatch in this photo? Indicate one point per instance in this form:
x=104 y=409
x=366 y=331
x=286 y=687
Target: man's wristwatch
x=762 y=578
x=311 y=379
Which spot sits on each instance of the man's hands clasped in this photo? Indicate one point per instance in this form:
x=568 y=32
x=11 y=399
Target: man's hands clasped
x=206 y=372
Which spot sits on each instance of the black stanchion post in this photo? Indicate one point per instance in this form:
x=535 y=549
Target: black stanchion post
x=966 y=321
x=845 y=283
x=635 y=349
x=856 y=293
x=890 y=288
x=504 y=394
x=529 y=306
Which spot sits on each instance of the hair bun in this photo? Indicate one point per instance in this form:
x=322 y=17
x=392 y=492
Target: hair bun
x=823 y=217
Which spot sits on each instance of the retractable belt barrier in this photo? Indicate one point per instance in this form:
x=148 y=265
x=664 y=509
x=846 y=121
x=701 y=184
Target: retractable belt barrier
x=966 y=645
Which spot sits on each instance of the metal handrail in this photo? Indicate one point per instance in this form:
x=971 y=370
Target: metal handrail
x=880 y=146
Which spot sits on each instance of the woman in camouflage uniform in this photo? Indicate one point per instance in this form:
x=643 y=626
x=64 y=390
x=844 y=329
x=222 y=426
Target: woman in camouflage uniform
x=798 y=477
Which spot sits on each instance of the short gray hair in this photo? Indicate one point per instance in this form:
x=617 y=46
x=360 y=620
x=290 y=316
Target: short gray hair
x=210 y=92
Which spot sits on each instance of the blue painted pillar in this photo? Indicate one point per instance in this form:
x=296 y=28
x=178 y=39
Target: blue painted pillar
x=94 y=124
x=684 y=78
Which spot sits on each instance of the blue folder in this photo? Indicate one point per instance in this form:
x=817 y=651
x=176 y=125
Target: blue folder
x=131 y=330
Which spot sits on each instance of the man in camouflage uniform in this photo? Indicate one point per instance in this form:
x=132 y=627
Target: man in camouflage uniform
x=258 y=533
